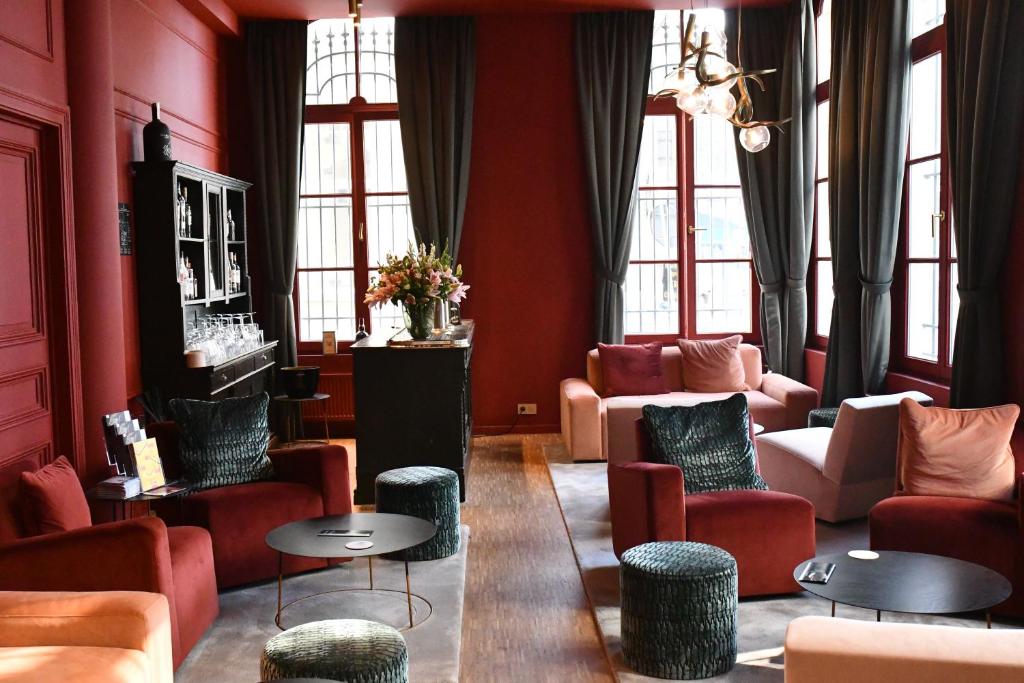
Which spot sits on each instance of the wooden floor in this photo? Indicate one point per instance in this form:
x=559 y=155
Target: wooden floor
x=526 y=615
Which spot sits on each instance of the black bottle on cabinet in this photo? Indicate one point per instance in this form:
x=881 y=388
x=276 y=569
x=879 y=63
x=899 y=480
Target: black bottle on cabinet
x=156 y=138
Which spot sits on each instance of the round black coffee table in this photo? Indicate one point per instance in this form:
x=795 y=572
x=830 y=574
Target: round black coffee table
x=390 y=533
x=909 y=582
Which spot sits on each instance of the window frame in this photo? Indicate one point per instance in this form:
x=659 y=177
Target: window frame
x=686 y=241
x=924 y=46
x=822 y=94
x=355 y=113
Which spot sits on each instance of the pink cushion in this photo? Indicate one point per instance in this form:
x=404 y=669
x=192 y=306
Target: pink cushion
x=713 y=366
x=632 y=369
x=959 y=453
x=54 y=499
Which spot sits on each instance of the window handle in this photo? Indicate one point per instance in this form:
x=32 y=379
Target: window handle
x=690 y=229
x=937 y=218
x=362 y=231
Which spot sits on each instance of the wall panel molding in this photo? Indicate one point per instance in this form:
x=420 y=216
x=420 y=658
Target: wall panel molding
x=33 y=381
x=43 y=49
x=34 y=328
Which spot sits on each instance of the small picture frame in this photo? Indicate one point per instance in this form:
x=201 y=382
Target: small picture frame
x=330 y=343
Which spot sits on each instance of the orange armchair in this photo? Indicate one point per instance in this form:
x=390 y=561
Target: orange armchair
x=85 y=637
x=133 y=555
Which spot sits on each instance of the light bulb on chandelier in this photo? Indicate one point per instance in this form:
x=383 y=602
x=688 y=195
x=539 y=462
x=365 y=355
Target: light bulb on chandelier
x=755 y=139
x=696 y=102
x=722 y=103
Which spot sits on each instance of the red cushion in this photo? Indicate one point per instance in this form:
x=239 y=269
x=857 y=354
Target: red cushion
x=54 y=499
x=768 y=532
x=195 y=589
x=631 y=369
x=980 y=531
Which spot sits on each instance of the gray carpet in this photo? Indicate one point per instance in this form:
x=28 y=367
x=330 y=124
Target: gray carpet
x=582 y=491
x=230 y=650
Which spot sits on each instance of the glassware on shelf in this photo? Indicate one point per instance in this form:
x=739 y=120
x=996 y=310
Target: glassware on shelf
x=223 y=336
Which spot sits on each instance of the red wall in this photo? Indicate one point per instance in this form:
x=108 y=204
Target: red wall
x=164 y=54
x=526 y=239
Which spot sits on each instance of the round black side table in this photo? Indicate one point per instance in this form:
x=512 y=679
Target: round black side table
x=389 y=533
x=894 y=581
x=293 y=418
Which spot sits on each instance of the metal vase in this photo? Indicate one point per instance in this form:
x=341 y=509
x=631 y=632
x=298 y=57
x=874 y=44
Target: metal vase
x=442 y=316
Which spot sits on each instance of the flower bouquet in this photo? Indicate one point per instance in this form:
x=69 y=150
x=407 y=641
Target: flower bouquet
x=417 y=281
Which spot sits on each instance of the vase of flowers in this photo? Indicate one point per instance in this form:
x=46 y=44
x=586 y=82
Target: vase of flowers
x=416 y=281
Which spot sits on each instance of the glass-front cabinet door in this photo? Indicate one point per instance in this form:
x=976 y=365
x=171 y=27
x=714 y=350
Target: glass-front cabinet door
x=215 y=242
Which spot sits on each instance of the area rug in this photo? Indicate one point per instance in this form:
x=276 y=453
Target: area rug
x=582 y=491
x=230 y=651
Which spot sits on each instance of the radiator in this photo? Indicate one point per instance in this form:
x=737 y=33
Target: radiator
x=341 y=404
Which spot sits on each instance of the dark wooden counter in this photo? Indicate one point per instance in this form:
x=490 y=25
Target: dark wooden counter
x=413 y=407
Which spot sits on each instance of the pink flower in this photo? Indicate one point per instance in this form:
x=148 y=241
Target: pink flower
x=459 y=293
x=410 y=299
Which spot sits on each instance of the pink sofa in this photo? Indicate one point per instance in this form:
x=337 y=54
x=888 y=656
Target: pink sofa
x=597 y=428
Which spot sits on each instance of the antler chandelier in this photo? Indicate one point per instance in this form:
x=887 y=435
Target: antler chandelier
x=703 y=83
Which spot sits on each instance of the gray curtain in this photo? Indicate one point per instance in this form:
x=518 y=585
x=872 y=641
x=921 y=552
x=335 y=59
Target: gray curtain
x=778 y=182
x=867 y=148
x=277 y=85
x=435 y=65
x=985 y=86
x=613 y=66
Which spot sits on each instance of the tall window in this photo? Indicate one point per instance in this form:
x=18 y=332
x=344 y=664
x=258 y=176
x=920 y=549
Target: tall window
x=821 y=254
x=928 y=265
x=690 y=271
x=354 y=204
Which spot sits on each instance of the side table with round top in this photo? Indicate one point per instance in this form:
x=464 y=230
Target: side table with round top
x=430 y=493
x=908 y=582
x=390 y=534
x=679 y=602
x=349 y=650
x=293 y=417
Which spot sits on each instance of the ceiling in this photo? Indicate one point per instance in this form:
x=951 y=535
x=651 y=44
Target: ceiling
x=321 y=9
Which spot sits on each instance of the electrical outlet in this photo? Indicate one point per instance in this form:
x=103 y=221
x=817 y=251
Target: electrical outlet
x=527 y=409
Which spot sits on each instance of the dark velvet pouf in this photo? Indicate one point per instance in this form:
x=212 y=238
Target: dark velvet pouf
x=430 y=493
x=347 y=650
x=678 y=609
x=822 y=417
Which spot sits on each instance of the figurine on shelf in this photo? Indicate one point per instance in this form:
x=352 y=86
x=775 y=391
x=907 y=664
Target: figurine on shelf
x=231 y=227
x=182 y=210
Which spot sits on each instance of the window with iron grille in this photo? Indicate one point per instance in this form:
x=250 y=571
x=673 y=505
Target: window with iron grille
x=354 y=203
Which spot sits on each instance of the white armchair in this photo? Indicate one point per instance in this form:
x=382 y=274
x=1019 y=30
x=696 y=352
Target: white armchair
x=842 y=470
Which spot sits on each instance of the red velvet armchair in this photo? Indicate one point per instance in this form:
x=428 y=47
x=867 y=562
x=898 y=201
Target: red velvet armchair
x=136 y=555
x=310 y=481
x=768 y=532
x=985 y=532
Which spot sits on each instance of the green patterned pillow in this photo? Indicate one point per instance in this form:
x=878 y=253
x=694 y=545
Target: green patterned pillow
x=223 y=442
x=709 y=441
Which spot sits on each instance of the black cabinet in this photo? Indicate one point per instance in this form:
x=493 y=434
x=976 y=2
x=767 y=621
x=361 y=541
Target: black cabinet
x=413 y=407
x=189 y=215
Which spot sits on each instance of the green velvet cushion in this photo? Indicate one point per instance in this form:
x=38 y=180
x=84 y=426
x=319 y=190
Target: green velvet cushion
x=223 y=442
x=709 y=441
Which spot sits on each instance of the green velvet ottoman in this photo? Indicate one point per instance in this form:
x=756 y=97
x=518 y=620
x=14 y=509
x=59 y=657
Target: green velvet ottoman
x=347 y=650
x=678 y=609
x=822 y=417
x=430 y=493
